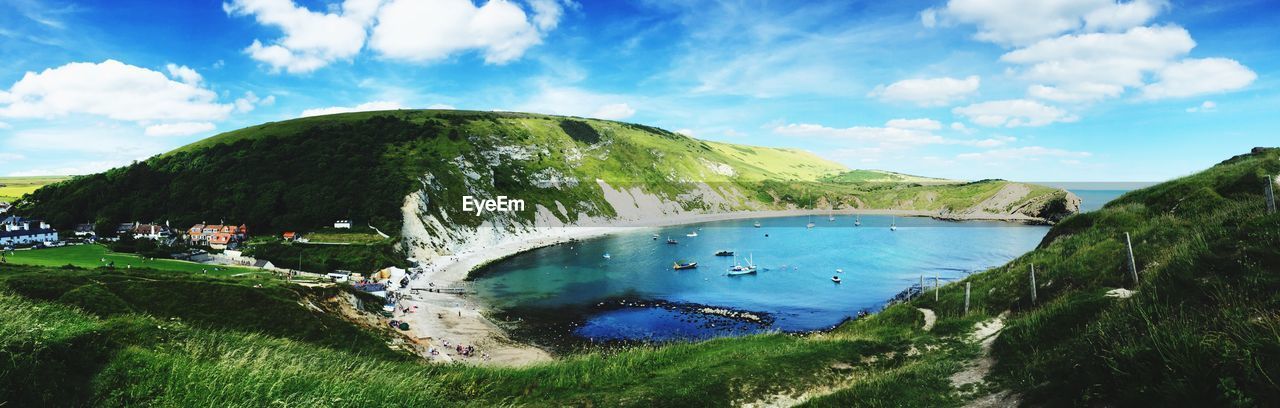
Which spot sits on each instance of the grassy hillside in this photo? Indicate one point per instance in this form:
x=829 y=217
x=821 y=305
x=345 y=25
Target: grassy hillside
x=92 y=256
x=12 y=188
x=302 y=174
x=1202 y=327
x=1200 y=331
x=881 y=176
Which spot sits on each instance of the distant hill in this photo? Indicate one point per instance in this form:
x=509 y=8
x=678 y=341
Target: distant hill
x=12 y=188
x=881 y=176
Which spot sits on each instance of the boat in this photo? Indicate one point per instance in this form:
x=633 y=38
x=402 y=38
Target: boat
x=655 y=237
x=607 y=256
x=672 y=241
x=757 y=224
x=678 y=265
x=691 y=234
x=857 y=221
x=831 y=216
x=835 y=279
x=810 y=224
x=724 y=252
x=893 y=225
x=743 y=269
x=838 y=270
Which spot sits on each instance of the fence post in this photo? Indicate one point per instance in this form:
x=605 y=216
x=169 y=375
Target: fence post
x=921 y=293
x=966 y=298
x=1133 y=265
x=1271 y=195
x=935 y=288
x=1033 y=284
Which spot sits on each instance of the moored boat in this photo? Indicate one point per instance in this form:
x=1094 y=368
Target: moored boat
x=724 y=252
x=678 y=265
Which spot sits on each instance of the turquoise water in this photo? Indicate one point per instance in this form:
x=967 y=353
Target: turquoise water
x=562 y=288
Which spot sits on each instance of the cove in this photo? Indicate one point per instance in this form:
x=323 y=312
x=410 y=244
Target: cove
x=572 y=292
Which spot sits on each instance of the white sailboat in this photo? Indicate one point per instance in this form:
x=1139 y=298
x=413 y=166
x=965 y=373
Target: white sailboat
x=857 y=221
x=757 y=224
x=893 y=225
x=691 y=234
x=810 y=224
x=831 y=216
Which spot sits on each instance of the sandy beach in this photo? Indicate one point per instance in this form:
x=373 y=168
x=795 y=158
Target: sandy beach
x=437 y=318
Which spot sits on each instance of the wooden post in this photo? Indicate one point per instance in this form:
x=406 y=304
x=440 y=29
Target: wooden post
x=1271 y=195
x=921 y=293
x=966 y=298
x=1133 y=265
x=935 y=288
x=1033 y=284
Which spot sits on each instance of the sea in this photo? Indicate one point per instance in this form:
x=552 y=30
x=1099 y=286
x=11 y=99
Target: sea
x=623 y=287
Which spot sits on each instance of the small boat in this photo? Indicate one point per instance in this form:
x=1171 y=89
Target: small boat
x=838 y=270
x=857 y=221
x=810 y=224
x=678 y=265
x=607 y=256
x=835 y=279
x=737 y=269
x=757 y=224
x=831 y=216
x=655 y=237
x=724 y=252
x=691 y=234
x=672 y=241
x=893 y=225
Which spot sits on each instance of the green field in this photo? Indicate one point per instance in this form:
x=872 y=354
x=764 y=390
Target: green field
x=11 y=188
x=91 y=256
x=344 y=236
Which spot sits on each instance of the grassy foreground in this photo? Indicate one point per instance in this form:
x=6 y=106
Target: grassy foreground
x=91 y=256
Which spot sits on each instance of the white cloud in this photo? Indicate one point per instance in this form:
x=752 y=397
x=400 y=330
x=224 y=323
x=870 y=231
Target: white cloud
x=1201 y=76
x=179 y=129
x=1020 y=22
x=928 y=91
x=920 y=124
x=184 y=74
x=6 y=156
x=364 y=107
x=310 y=39
x=1206 y=106
x=558 y=100
x=80 y=168
x=420 y=31
x=111 y=89
x=250 y=101
x=1013 y=113
x=5 y=125
x=896 y=134
x=686 y=132
x=1093 y=66
x=441 y=106
x=616 y=111
x=1022 y=153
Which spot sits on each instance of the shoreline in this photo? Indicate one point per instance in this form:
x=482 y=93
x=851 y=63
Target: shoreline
x=455 y=318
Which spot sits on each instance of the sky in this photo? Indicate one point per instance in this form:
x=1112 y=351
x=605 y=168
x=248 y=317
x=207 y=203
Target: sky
x=1054 y=90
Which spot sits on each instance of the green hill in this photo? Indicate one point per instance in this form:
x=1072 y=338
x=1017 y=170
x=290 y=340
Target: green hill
x=302 y=174
x=1200 y=330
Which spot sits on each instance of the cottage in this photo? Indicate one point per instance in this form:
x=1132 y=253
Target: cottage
x=150 y=231
x=16 y=230
x=4 y=207
x=84 y=231
x=342 y=224
x=204 y=234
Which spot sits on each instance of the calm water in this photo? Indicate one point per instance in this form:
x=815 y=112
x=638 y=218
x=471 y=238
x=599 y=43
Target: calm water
x=793 y=285
x=571 y=291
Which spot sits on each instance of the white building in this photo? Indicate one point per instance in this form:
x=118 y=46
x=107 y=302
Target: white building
x=17 y=231
x=342 y=224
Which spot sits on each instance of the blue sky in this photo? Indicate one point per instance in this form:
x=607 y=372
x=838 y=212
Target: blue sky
x=1061 y=90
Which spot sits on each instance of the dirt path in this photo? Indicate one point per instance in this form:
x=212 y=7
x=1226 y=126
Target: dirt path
x=929 y=318
x=985 y=333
